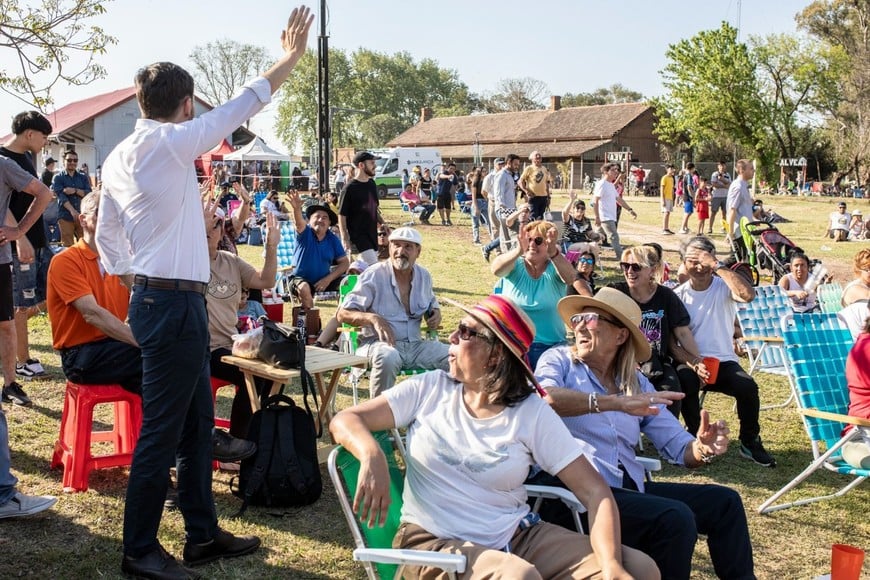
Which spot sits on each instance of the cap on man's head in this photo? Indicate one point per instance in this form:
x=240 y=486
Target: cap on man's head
x=362 y=156
x=406 y=234
x=499 y=161
x=841 y=204
x=50 y=161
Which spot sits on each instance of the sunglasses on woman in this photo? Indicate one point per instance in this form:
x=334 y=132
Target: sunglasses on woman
x=589 y=261
x=590 y=320
x=633 y=267
x=466 y=333
x=537 y=241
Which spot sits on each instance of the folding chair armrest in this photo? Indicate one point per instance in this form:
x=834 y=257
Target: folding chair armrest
x=447 y=562
x=835 y=417
x=771 y=339
x=285 y=270
x=555 y=492
x=649 y=463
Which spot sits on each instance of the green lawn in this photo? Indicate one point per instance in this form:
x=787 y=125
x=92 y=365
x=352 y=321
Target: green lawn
x=81 y=537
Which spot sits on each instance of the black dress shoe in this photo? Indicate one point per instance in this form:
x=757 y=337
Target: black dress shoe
x=226 y=448
x=157 y=565
x=224 y=545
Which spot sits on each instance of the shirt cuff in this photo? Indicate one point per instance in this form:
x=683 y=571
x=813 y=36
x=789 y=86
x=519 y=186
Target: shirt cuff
x=261 y=88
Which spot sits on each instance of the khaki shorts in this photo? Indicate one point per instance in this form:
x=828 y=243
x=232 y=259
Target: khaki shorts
x=667 y=205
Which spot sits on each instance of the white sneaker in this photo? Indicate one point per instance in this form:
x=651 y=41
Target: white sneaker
x=22 y=370
x=26 y=505
x=34 y=365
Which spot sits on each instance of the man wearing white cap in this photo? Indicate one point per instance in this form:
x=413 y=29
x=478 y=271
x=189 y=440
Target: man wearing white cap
x=389 y=303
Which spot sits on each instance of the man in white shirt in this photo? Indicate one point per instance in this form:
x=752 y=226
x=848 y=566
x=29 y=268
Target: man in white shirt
x=504 y=197
x=712 y=304
x=151 y=232
x=270 y=205
x=604 y=201
x=838 y=223
x=739 y=204
x=488 y=188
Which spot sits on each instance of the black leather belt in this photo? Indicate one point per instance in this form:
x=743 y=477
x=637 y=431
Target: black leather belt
x=169 y=284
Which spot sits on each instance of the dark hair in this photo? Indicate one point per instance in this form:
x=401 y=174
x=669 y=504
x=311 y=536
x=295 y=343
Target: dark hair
x=506 y=380
x=798 y=255
x=657 y=247
x=702 y=243
x=580 y=203
x=586 y=253
x=690 y=165
x=511 y=157
x=160 y=89
x=30 y=120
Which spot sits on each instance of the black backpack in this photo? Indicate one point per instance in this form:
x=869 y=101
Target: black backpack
x=284 y=471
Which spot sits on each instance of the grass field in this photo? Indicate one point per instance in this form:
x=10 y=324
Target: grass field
x=81 y=537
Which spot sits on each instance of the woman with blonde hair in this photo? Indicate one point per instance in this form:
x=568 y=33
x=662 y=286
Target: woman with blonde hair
x=536 y=275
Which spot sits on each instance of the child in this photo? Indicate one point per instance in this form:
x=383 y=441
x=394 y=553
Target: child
x=857 y=226
x=702 y=203
x=688 y=208
x=249 y=313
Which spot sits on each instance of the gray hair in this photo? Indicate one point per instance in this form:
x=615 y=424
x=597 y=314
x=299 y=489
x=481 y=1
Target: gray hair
x=90 y=203
x=702 y=243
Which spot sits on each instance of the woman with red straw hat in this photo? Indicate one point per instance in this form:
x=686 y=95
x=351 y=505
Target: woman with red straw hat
x=473 y=433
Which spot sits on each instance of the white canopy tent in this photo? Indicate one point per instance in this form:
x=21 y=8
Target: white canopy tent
x=256 y=150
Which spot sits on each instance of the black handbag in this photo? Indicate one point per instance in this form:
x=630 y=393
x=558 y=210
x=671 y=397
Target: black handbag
x=282 y=346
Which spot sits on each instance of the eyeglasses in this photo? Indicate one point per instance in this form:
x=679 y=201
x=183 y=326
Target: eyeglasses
x=589 y=261
x=590 y=320
x=466 y=333
x=382 y=234
x=633 y=267
x=537 y=241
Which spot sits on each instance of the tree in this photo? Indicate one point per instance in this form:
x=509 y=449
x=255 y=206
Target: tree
x=521 y=94
x=391 y=88
x=756 y=95
x=221 y=67
x=604 y=96
x=50 y=43
x=845 y=100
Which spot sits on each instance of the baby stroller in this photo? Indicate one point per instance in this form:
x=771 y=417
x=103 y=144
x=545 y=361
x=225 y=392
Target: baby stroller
x=768 y=248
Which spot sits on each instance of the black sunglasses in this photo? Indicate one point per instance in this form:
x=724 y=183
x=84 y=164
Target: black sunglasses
x=633 y=267
x=466 y=333
x=537 y=241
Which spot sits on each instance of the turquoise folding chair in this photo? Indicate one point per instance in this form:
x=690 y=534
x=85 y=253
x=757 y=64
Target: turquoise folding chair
x=816 y=348
x=828 y=297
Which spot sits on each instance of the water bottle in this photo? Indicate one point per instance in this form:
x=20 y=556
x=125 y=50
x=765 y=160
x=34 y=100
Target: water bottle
x=816 y=277
x=300 y=323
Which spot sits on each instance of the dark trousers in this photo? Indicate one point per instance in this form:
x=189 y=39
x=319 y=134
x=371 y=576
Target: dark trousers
x=669 y=381
x=171 y=327
x=105 y=362
x=664 y=523
x=733 y=381
x=240 y=414
x=538 y=205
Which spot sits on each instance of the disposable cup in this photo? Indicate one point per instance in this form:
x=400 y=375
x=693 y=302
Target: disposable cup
x=846 y=562
x=712 y=364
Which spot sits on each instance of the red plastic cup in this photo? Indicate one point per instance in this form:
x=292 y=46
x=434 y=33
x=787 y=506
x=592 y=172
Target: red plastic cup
x=846 y=562
x=712 y=364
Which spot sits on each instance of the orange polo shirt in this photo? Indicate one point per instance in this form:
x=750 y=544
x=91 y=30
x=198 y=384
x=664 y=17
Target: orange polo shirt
x=72 y=274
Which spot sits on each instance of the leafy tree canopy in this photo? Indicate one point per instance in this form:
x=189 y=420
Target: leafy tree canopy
x=221 y=67
x=603 y=96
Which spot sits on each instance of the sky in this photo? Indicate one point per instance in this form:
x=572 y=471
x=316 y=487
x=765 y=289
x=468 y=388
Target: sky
x=571 y=45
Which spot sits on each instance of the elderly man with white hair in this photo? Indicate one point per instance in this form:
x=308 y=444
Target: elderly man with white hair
x=389 y=303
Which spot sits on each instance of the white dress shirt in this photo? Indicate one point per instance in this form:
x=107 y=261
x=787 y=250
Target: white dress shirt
x=150 y=217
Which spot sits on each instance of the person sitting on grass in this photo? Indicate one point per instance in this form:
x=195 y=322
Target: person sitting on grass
x=319 y=258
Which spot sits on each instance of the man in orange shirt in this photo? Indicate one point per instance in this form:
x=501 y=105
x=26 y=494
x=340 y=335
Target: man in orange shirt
x=87 y=309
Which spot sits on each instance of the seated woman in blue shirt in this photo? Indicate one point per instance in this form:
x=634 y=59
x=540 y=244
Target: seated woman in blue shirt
x=605 y=401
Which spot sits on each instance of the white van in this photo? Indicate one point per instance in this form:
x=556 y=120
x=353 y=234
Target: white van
x=388 y=176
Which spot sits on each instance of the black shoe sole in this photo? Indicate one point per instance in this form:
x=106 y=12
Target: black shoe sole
x=213 y=557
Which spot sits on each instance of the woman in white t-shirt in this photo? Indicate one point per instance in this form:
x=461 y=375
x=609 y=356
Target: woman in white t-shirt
x=802 y=300
x=473 y=433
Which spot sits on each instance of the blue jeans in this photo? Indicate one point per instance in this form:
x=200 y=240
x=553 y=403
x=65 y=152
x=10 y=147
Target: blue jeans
x=476 y=220
x=7 y=480
x=539 y=205
x=177 y=418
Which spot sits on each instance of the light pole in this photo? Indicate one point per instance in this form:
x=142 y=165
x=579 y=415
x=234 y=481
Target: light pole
x=332 y=111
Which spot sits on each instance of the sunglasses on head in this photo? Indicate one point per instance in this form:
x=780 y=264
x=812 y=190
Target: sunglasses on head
x=590 y=320
x=589 y=261
x=466 y=333
x=633 y=267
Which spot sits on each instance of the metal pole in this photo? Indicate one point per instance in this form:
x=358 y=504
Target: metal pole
x=323 y=125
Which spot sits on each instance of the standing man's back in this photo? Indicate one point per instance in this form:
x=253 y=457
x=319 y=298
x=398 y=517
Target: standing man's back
x=151 y=233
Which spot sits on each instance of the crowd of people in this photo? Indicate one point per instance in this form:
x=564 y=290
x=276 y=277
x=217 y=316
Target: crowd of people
x=548 y=361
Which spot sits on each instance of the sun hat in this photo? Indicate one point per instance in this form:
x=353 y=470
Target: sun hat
x=333 y=219
x=857 y=212
x=509 y=324
x=614 y=302
x=406 y=234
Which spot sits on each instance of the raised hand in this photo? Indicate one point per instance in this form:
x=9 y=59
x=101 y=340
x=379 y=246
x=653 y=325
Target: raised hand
x=295 y=36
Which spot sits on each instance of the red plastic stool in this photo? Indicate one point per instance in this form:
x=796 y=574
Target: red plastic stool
x=216 y=385
x=73 y=448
